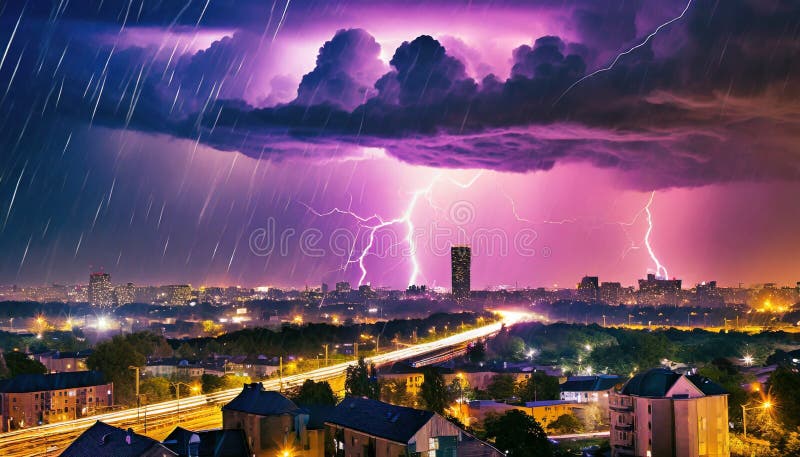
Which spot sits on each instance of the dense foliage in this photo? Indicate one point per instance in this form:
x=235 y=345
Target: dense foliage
x=518 y=435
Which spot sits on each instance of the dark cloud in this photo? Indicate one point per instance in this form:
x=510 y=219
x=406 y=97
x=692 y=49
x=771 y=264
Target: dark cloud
x=423 y=73
x=345 y=73
x=714 y=97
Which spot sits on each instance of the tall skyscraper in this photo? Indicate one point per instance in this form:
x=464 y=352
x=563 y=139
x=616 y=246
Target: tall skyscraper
x=460 y=261
x=101 y=293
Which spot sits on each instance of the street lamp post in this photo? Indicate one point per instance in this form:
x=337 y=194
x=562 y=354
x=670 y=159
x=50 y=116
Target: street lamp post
x=765 y=405
x=138 y=405
x=177 y=386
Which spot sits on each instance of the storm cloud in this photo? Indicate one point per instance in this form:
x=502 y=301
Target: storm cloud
x=680 y=109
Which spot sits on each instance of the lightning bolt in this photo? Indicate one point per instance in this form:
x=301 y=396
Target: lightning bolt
x=624 y=53
x=376 y=222
x=659 y=268
x=522 y=219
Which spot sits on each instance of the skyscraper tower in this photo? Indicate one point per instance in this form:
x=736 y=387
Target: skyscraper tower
x=460 y=261
x=101 y=293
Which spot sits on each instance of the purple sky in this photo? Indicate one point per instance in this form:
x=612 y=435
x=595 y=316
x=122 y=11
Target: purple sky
x=302 y=142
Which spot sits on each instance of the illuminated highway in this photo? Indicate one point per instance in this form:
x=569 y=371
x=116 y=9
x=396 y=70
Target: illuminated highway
x=203 y=411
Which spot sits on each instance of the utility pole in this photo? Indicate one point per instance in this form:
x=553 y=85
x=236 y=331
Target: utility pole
x=138 y=404
x=326 y=353
x=355 y=349
x=280 y=373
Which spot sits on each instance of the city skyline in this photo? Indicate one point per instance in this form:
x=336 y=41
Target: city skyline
x=301 y=145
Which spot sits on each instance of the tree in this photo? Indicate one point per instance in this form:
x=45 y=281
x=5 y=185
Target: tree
x=538 y=387
x=518 y=435
x=433 y=391
x=315 y=393
x=114 y=358
x=395 y=391
x=476 y=352
x=213 y=383
x=784 y=385
x=360 y=380
x=723 y=373
x=566 y=423
x=155 y=389
x=501 y=387
x=18 y=363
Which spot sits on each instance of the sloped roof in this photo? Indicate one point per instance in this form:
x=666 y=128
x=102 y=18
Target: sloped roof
x=103 y=440
x=655 y=383
x=42 y=382
x=255 y=400
x=376 y=418
x=213 y=443
x=590 y=383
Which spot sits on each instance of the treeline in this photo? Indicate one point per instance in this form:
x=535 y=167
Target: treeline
x=308 y=339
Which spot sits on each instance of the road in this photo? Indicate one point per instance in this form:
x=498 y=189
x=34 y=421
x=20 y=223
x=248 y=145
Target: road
x=203 y=411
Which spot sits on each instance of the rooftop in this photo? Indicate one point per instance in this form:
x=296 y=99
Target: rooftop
x=210 y=443
x=44 y=382
x=103 y=440
x=379 y=419
x=597 y=383
x=255 y=400
x=655 y=383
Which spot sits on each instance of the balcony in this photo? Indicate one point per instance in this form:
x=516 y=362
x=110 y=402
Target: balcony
x=621 y=408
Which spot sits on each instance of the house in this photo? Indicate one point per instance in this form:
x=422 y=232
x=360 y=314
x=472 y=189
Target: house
x=589 y=389
x=35 y=399
x=173 y=368
x=362 y=427
x=103 y=440
x=273 y=424
x=661 y=412
x=63 y=362
x=210 y=443
x=545 y=411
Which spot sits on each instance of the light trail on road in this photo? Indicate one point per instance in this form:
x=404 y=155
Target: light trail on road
x=203 y=410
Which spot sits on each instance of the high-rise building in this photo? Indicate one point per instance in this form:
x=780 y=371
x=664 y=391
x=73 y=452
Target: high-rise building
x=657 y=291
x=124 y=294
x=588 y=288
x=101 y=293
x=177 y=294
x=610 y=292
x=343 y=287
x=460 y=262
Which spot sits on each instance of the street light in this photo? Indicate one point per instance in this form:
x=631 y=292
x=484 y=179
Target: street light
x=766 y=405
x=177 y=386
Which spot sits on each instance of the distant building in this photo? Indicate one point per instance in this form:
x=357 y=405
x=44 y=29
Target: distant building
x=343 y=287
x=589 y=389
x=63 y=362
x=101 y=293
x=589 y=288
x=657 y=291
x=592 y=393
x=102 y=439
x=173 y=368
x=460 y=263
x=660 y=412
x=177 y=294
x=611 y=292
x=545 y=411
x=371 y=428
x=33 y=399
x=125 y=294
